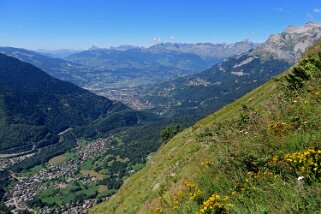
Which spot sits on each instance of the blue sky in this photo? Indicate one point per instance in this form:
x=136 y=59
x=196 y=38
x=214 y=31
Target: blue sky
x=78 y=24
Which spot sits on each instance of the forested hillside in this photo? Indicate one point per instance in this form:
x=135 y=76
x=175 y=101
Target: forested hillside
x=35 y=108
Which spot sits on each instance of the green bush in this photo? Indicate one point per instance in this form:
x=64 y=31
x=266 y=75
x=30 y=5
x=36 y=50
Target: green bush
x=169 y=132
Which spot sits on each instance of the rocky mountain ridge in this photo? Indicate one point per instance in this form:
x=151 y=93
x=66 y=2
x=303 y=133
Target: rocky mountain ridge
x=220 y=50
x=291 y=43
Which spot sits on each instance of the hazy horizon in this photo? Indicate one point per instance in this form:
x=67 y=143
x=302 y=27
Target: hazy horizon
x=78 y=25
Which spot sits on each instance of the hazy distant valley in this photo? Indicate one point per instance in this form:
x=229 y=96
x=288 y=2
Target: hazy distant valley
x=117 y=73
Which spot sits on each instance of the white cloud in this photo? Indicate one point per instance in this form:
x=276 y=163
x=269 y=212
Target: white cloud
x=172 y=38
x=157 y=39
x=317 y=10
x=281 y=10
x=310 y=17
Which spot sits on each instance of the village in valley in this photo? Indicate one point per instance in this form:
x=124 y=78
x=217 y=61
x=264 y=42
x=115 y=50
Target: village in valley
x=67 y=183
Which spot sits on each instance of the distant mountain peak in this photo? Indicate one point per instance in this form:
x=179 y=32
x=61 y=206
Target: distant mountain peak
x=123 y=47
x=291 y=43
x=58 y=53
x=246 y=40
x=94 y=47
x=308 y=27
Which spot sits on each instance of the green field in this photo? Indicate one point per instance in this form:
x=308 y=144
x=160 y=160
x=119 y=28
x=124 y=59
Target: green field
x=57 y=160
x=91 y=173
x=31 y=172
x=74 y=192
x=87 y=165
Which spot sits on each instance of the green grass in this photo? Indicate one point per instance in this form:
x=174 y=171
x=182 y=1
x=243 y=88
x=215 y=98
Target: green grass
x=82 y=142
x=138 y=166
x=49 y=196
x=177 y=160
x=121 y=159
x=71 y=155
x=227 y=155
x=91 y=173
x=60 y=159
x=107 y=193
x=57 y=160
x=31 y=172
x=53 y=195
x=87 y=165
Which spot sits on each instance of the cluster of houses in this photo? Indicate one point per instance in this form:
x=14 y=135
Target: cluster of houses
x=94 y=149
x=128 y=96
x=57 y=175
x=7 y=161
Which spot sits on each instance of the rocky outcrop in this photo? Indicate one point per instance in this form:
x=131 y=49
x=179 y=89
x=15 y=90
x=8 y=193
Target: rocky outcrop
x=291 y=43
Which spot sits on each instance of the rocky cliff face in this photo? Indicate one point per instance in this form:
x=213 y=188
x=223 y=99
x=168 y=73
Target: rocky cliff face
x=291 y=43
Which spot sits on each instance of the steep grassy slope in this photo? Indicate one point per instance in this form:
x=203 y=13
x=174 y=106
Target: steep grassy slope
x=260 y=154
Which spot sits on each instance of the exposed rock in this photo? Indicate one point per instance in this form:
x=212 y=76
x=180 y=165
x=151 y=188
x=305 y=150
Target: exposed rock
x=156 y=186
x=248 y=60
x=239 y=73
x=290 y=44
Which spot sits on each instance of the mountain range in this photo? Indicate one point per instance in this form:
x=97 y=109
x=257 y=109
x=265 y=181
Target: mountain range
x=206 y=50
x=182 y=99
x=115 y=71
x=199 y=94
x=56 y=67
x=60 y=53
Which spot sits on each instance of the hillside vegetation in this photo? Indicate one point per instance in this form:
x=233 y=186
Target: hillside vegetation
x=260 y=154
x=37 y=109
